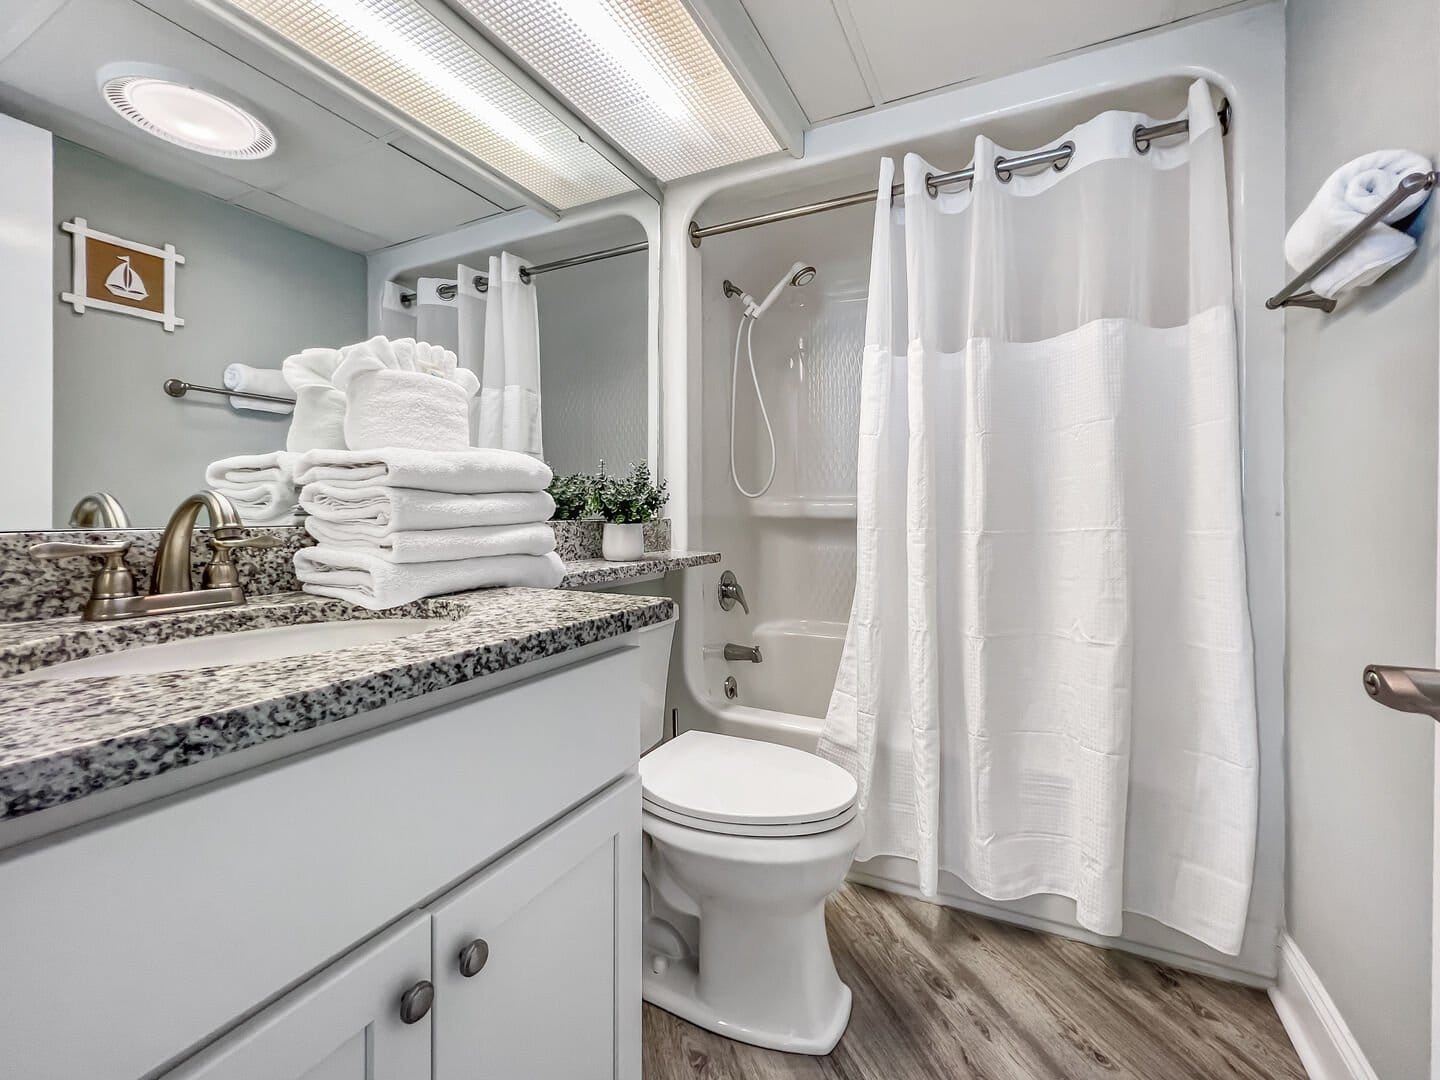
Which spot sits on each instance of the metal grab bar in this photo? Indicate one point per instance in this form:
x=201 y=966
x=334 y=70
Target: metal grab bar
x=1296 y=295
x=179 y=388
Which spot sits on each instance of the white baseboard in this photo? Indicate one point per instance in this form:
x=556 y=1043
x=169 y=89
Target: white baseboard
x=1326 y=1046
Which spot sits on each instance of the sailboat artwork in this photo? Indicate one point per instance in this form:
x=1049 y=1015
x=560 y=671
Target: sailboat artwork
x=124 y=281
x=123 y=277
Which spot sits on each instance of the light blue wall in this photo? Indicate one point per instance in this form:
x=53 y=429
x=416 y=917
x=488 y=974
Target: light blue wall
x=250 y=291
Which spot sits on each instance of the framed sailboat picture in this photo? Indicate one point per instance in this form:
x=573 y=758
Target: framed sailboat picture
x=123 y=276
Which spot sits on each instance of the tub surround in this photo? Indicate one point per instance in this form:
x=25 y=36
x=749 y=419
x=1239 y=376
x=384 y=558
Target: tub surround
x=61 y=741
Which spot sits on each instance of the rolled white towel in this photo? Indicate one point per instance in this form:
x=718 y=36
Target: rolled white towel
x=405 y=409
x=364 y=578
x=459 y=472
x=404 y=354
x=438 y=545
x=244 y=469
x=1346 y=196
x=253 y=380
x=319 y=420
x=377 y=511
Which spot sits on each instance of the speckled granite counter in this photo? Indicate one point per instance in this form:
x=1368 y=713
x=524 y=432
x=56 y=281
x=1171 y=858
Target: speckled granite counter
x=60 y=741
x=588 y=573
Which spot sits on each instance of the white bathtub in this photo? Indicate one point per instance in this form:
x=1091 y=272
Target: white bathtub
x=783 y=698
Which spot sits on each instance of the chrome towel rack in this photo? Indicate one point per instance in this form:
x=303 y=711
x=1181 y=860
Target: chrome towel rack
x=179 y=388
x=1296 y=294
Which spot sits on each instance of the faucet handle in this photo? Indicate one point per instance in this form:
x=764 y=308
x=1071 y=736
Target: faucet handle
x=730 y=593
x=221 y=572
x=111 y=580
x=65 y=549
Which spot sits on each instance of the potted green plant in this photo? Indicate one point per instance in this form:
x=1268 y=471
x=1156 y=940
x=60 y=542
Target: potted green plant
x=572 y=496
x=626 y=504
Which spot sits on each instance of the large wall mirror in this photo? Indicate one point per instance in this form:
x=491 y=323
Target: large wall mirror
x=278 y=254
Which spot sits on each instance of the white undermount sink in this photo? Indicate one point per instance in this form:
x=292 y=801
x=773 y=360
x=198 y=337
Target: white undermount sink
x=241 y=647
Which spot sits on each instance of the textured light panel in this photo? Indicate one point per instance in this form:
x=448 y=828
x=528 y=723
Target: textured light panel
x=641 y=71
x=403 y=55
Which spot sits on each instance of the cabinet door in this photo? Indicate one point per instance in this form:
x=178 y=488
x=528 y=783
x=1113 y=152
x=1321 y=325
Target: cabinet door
x=557 y=996
x=343 y=1024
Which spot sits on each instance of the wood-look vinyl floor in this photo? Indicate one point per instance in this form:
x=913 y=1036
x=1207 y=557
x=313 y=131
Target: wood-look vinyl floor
x=939 y=993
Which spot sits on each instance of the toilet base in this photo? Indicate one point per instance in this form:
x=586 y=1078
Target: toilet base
x=674 y=990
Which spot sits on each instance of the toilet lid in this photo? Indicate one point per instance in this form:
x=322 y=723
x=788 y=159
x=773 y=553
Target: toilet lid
x=719 y=778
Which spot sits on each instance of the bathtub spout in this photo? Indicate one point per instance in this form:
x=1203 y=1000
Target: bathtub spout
x=750 y=653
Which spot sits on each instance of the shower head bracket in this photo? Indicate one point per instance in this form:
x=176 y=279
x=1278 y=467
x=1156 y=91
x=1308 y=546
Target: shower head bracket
x=732 y=290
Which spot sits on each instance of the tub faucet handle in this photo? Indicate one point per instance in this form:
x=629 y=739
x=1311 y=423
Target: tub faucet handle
x=730 y=593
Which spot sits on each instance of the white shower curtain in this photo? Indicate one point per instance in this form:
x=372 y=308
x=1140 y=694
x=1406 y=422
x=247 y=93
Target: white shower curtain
x=396 y=320
x=1047 y=681
x=509 y=405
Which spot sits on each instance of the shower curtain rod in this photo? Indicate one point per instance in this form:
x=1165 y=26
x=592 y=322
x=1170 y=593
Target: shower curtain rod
x=1005 y=168
x=482 y=282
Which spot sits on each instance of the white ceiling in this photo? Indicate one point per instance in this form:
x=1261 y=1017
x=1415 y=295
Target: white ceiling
x=337 y=173
x=344 y=174
x=842 y=56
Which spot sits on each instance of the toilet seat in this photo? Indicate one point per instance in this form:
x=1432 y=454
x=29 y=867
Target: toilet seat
x=744 y=787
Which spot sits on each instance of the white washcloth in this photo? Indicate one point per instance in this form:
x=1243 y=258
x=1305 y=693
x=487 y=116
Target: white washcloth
x=438 y=545
x=271 y=503
x=1348 y=194
x=255 y=380
x=262 y=486
x=319 y=420
x=405 y=354
x=364 y=578
x=460 y=472
x=245 y=469
x=377 y=511
x=405 y=409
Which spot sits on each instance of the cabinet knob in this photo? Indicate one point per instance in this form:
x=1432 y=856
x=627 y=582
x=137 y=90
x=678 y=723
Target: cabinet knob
x=415 y=1003
x=473 y=957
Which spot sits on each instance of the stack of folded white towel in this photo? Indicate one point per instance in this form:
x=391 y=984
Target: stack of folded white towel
x=395 y=524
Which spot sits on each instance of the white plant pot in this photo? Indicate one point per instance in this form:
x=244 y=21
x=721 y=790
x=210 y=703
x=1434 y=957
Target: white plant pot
x=623 y=543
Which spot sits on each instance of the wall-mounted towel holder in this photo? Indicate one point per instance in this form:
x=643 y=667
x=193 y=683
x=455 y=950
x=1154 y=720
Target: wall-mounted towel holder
x=1296 y=294
x=179 y=388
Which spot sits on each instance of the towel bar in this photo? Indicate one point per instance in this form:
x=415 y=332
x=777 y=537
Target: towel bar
x=1296 y=295
x=179 y=388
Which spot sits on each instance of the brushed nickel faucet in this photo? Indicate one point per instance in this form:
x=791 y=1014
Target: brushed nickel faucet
x=172 y=588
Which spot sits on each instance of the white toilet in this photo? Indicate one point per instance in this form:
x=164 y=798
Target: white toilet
x=744 y=840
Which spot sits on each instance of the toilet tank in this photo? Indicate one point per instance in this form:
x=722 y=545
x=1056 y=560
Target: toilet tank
x=654 y=673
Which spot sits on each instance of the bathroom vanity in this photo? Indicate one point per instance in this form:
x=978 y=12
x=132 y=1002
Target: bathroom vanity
x=400 y=859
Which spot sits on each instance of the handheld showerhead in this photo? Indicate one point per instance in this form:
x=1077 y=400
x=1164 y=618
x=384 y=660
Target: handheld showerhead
x=799 y=274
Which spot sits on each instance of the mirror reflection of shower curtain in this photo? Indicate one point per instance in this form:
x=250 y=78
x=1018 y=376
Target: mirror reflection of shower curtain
x=396 y=320
x=510 y=377
x=1047 y=683
x=436 y=320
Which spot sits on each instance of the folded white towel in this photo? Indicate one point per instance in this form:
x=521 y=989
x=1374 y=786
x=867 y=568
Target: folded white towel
x=405 y=354
x=269 y=503
x=364 y=578
x=319 y=420
x=243 y=469
x=405 y=409
x=460 y=472
x=377 y=511
x=1348 y=194
x=437 y=545
x=255 y=380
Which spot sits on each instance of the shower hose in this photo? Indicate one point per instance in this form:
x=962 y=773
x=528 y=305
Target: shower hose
x=746 y=328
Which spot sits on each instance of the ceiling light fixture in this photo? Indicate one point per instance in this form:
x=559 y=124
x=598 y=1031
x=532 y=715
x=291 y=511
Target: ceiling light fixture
x=642 y=71
x=188 y=116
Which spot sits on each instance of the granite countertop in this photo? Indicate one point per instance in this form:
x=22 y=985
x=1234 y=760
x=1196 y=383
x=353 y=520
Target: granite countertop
x=60 y=741
x=586 y=573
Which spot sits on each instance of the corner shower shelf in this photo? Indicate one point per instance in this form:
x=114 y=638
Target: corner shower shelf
x=824 y=507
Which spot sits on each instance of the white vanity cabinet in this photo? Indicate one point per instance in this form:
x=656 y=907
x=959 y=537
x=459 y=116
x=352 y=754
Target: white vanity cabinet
x=343 y=1024
x=542 y=941
x=265 y=926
